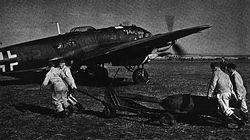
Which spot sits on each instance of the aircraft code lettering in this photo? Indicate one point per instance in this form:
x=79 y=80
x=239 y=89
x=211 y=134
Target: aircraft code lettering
x=2 y=67
x=1 y=56
x=11 y=65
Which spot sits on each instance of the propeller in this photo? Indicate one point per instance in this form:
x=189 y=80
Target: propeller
x=178 y=49
x=160 y=52
x=154 y=55
x=164 y=54
x=126 y=23
x=170 y=22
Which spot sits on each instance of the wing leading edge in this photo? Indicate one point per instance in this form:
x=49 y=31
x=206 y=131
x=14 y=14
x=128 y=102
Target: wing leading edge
x=156 y=41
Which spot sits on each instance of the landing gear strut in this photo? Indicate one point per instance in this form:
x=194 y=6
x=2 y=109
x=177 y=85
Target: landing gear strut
x=140 y=75
x=98 y=74
x=92 y=74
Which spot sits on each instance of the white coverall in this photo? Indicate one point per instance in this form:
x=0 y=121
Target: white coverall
x=67 y=76
x=221 y=86
x=60 y=89
x=239 y=89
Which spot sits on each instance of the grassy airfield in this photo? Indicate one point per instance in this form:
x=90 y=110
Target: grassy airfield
x=25 y=110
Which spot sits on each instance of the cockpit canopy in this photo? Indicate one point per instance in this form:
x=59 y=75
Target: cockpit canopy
x=82 y=29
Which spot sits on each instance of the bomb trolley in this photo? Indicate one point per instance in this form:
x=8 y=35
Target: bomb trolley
x=113 y=103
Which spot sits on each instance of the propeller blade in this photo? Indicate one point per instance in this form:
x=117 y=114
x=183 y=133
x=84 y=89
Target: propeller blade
x=126 y=23
x=170 y=22
x=178 y=49
x=164 y=54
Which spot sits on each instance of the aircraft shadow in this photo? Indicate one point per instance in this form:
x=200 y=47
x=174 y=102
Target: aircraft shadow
x=18 y=82
x=191 y=120
x=34 y=109
x=23 y=107
x=115 y=82
x=199 y=120
x=94 y=113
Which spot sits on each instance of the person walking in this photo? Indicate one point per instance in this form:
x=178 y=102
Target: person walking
x=59 y=94
x=221 y=87
x=69 y=80
x=239 y=89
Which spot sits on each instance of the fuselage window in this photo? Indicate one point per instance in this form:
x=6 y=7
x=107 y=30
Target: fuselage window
x=59 y=46
x=70 y=43
x=139 y=34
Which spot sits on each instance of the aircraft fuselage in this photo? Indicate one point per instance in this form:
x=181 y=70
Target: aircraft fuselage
x=74 y=46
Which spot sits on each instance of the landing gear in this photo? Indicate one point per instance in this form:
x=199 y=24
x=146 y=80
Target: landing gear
x=92 y=74
x=97 y=74
x=140 y=76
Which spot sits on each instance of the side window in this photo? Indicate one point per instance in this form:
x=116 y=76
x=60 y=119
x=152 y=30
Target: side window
x=59 y=45
x=70 y=43
x=67 y=44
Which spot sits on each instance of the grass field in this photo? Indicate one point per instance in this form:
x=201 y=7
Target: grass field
x=25 y=110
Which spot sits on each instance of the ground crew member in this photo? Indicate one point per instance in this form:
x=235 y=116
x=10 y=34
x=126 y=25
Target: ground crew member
x=59 y=95
x=239 y=89
x=68 y=78
x=222 y=88
x=223 y=65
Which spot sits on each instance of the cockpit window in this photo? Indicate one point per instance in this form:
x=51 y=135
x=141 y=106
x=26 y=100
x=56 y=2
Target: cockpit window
x=71 y=43
x=68 y=44
x=82 y=29
x=138 y=33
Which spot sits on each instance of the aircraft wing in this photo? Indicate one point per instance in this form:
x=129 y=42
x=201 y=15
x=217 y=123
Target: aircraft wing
x=155 y=41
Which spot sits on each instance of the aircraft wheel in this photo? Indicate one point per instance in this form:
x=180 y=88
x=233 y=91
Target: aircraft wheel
x=108 y=112
x=167 y=119
x=140 y=76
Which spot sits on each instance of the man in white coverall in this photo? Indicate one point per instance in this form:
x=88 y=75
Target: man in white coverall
x=239 y=89
x=68 y=78
x=221 y=87
x=60 y=89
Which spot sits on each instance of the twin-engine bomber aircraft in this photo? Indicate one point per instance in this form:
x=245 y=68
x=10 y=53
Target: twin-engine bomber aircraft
x=127 y=46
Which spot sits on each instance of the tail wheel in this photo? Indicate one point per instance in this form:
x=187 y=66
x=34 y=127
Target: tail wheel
x=140 y=76
x=167 y=119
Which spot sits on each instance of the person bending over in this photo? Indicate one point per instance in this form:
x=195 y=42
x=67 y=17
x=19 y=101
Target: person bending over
x=239 y=89
x=221 y=87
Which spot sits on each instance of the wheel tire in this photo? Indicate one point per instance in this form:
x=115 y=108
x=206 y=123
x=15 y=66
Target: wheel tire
x=108 y=112
x=140 y=76
x=167 y=119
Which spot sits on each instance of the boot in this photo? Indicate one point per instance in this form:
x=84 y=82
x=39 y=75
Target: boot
x=79 y=107
x=238 y=120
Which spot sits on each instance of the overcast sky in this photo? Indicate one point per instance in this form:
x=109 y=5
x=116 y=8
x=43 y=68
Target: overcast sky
x=24 y=20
